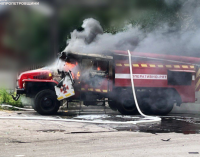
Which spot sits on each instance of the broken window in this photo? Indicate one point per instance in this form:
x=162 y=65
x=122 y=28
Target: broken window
x=100 y=65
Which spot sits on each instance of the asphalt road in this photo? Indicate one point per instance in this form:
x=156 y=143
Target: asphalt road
x=177 y=135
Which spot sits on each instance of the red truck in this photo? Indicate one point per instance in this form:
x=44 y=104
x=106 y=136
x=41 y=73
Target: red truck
x=161 y=81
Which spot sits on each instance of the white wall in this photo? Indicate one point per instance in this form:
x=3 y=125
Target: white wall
x=8 y=79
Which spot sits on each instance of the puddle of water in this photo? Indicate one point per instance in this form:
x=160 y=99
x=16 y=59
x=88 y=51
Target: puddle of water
x=167 y=125
x=187 y=124
x=92 y=117
x=104 y=117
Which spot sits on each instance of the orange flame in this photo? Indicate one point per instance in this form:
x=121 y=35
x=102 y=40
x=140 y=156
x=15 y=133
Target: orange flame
x=98 y=68
x=78 y=75
x=70 y=66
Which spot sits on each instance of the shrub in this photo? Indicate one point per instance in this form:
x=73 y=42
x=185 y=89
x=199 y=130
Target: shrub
x=5 y=97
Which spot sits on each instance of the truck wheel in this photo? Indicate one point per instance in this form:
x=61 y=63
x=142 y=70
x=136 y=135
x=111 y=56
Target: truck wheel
x=162 y=105
x=126 y=103
x=127 y=107
x=145 y=104
x=46 y=102
x=112 y=105
x=144 y=101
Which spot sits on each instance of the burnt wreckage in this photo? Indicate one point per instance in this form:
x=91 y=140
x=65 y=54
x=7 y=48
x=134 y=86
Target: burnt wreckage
x=160 y=82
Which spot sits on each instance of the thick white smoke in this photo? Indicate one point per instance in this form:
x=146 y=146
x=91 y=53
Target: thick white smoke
x=181 y=39
x=100 y=42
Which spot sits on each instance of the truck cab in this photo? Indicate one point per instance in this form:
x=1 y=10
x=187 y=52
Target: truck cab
x=82 y=77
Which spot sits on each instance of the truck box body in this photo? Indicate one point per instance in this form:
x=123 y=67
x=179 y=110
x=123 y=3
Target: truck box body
x=158 y=75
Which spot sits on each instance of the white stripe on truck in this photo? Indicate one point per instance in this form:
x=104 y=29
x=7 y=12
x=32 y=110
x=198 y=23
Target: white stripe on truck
x=141 y=76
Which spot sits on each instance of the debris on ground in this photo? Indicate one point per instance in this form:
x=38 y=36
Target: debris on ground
x=193 y=152
x=166 y=139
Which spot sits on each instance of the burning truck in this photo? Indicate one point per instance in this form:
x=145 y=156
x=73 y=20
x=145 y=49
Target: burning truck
x=161 y=81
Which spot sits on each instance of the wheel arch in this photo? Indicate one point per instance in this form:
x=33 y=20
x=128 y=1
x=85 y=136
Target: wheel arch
x=169 y=92
x=172 y=93
x=32 y=88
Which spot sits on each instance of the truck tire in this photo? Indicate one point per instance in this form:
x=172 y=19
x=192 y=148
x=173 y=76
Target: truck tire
x=46 y=102
x=126 y=103
x=145 y=104
x=112 y=105
x=162 y=105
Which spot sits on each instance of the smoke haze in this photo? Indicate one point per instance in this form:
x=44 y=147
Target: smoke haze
x=180 y=39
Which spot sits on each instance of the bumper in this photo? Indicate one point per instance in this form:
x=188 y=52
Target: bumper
x=20 y=91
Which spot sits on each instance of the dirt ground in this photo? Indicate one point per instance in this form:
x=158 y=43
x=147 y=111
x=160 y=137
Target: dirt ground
x=51 y=138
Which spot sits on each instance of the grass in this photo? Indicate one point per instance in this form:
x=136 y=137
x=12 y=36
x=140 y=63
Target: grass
x=5 y=97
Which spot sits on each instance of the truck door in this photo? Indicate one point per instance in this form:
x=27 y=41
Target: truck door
x=94 y=77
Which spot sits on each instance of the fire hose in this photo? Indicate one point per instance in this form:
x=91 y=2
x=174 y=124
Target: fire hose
x=19 y=108
x=146 y=119
x=134 y=94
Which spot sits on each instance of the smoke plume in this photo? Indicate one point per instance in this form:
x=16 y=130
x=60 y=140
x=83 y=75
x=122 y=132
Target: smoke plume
x=180 y=39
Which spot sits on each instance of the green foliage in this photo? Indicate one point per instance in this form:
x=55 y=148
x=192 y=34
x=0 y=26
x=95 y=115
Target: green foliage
x=31 y=33
x=114 y=15
x=6 y=98
x=27 y=33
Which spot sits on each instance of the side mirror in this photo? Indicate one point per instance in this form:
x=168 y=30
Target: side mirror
x=63 y=56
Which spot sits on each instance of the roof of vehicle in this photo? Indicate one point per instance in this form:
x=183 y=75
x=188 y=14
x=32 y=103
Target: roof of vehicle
x=95 y=55
x=152 y=56
x=164 y=57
